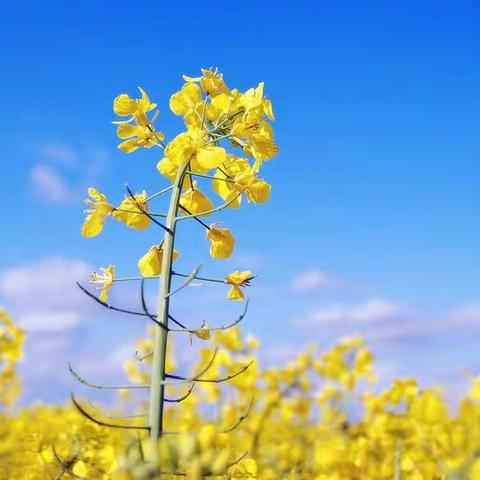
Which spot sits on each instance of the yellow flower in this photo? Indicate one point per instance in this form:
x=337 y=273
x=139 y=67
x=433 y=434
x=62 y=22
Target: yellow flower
x=203 y=333
x=238 y=279
x=222 y=242
x=150 y=264
x=97 y=214
x=188 y=103
x=125 y=106
x=195 y=201
x=256 y=141
x=137 y=136
x=143 y=133
x=105 y=280
x=195 y=148
x=211 y=81
x=235 y=177
x=130 y=211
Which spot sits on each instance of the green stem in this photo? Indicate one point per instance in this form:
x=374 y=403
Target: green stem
x=157 y=387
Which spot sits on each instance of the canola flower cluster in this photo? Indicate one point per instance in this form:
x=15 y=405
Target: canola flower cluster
x=213 y=114
x=318 y=417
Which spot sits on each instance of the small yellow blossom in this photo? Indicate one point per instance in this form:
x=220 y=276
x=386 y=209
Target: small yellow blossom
x=188 y=103
x=221 y=242
x=204 y=332
x=211 y=81
x=130 y=211
x=236 y=176
x=237 y=279
x=97 y=213
x=125 y=106
x=105 y=280
x=195 y=148
x=137 y=136
x=150 y=264
x=142 y=133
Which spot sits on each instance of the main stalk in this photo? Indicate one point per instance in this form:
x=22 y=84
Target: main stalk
x=157 y=387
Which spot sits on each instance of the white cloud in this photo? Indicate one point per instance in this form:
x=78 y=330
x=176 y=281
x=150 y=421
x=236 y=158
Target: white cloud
x=314 y=280
x=48 y=185
x=47 y=283
x=59 y=153
x=372 y=311
x=466 y=315
x=50 y=321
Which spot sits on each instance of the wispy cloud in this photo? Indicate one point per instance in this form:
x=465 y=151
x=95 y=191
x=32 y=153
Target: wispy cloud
x=371 y=311
x=314 y=280
x=44 y=292
x=48 y=185
x=59 y=153
x=58 y=161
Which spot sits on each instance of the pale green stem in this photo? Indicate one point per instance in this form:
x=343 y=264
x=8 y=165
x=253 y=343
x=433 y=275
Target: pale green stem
x=157 y=388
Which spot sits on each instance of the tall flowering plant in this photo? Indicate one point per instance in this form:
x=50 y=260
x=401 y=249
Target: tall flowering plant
x=228 y=135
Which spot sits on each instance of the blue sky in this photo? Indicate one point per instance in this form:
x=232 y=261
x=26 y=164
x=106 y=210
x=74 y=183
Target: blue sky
x=373 y=226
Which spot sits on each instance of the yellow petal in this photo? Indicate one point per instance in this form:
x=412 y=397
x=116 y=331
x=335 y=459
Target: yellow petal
x=104 y=294
x=95 y=194
x=123 y=105
x=151 y=263
x=93 y=225
x=222 y=242
x=259 y=191
x=195 y=202
x=167 y=168
x=129 y=146
x=211 y=157
x=133 y=216
x=126 y=130
x=235 y=293
x=203 y=333
x=186 y=99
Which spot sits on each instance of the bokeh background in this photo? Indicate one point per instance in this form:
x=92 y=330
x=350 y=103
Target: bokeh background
x=373 y=227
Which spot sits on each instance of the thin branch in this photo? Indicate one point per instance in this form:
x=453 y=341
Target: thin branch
x=103 y=387
x=161 y=192
x=162 y=215
x=176 y=321
x=213 y=210
x=213 y=329
x=240 y=419
x=180 y=399
x=145 y=309
x=153 y=219
x=66 y=467
x=153 y=317
x=141 y=358
x=99 y=422
x=216 y=380
x=176 y=379
x=186 y=283
x=210 y=177
x=199 y=374
x=107 y=305
x=203 y=279
x=191 y=215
